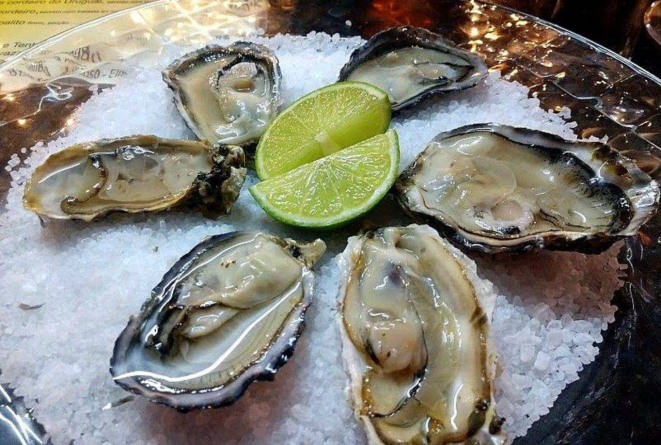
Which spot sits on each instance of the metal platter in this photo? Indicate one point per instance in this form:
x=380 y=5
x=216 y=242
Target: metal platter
x=616 y=399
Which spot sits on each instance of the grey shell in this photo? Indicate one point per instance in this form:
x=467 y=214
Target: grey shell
x=134 y=339
x=223 y=57
x=599 y=166
x=408 y=36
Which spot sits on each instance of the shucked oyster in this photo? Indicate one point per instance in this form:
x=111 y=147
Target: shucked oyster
x=229 y=94
x=496 y=188
x=415 y=332
x=412 y=63
x=227 y=313
x=135 y=174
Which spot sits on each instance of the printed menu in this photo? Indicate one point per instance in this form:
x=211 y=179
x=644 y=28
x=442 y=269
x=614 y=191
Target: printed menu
x=24 y=23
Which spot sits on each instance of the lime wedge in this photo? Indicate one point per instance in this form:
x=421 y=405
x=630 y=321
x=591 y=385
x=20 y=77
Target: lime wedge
x=335 y=189
x=321 y=123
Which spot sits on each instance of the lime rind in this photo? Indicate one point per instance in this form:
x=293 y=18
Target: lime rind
x=346 y=215
x=311 y=142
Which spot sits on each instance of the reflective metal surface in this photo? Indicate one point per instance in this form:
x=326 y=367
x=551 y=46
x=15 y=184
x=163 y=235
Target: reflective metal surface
x=16 y=422
x=617 y=399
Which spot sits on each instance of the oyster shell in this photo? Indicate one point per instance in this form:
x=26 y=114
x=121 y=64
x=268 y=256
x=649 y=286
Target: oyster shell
x=135 y=174
x=412 y=63
x=227 y=313
x=496 y=188
x=415 y=333
x=227 y=94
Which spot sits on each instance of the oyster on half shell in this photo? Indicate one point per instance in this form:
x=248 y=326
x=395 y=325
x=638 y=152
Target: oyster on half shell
x=412 y=63
x=227 y=94
x=415 y=333
x=226 y=314
x=496 y=188
x=135 y=174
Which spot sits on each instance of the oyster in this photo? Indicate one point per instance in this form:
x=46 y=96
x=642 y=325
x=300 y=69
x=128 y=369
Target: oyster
x=415 y=333
x=227 y=95
x=227 y=313
x=412 y=63
x=496 y=188
x=135 y=174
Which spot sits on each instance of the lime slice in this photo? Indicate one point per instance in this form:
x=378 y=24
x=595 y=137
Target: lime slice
x=335 y=189
x=321 y=123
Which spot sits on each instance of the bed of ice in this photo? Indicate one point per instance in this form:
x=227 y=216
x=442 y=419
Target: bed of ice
x=69 y=288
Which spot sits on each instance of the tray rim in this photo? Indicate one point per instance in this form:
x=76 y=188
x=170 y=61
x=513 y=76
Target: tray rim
x=594 y=45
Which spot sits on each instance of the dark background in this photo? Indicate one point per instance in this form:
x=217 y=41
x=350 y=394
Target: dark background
x=616 y=24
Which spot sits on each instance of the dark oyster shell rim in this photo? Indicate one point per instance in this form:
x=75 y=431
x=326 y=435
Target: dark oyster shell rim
x=253 y=51
x=348 y=259
x=264 y=369
x=643 y=193
x=216 y=177
x=26 y=430
x=401 y=36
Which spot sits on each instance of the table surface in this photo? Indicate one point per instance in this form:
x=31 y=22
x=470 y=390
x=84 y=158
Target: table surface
x=617 y=399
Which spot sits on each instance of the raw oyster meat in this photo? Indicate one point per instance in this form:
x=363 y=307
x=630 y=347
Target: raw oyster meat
x=227 y=313
x=415 y=333
x=495 y=188
x=412 y=63
x=227 y=94
x=135 y=174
